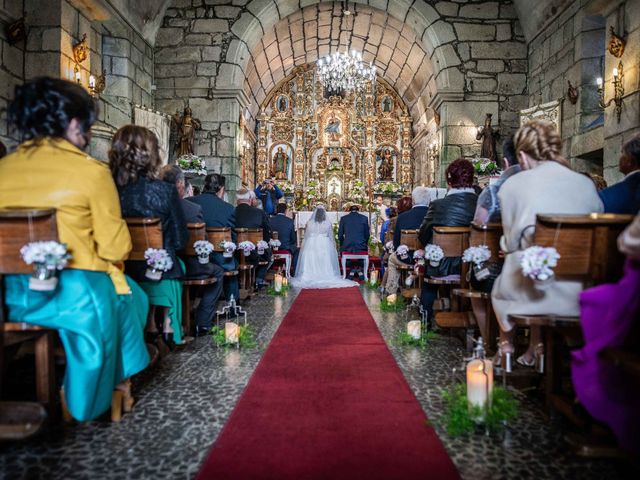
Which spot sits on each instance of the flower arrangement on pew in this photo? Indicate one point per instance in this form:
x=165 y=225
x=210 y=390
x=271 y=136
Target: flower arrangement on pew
x=537 y=263
x=203 y=249
x=434 y=254
x=158 y=261
x=478 y=255
x=247 y=247
x=192 y=164
x=418 y=257
x=262 y=246
x=228 y=248
x=402 y=252
x=47 y=258
x=274 y=243
x=389 y=246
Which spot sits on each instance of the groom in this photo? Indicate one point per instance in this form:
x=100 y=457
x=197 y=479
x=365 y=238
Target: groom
x=353 y=233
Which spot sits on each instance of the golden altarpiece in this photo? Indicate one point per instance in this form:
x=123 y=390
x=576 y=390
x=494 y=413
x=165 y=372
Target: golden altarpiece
x=334 y=148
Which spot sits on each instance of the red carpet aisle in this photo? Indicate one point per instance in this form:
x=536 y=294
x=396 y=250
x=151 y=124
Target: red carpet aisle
x=328 y=401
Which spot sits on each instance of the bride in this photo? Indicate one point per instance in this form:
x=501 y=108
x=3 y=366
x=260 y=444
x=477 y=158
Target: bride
x=318 y=261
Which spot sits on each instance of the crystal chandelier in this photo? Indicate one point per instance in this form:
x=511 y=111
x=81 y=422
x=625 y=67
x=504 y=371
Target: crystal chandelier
x=345 y=72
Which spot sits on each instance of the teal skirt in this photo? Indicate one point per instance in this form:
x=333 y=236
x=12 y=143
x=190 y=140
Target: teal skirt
x=102 y=332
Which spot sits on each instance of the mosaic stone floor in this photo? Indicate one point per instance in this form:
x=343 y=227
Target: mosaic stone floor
x=183 y=402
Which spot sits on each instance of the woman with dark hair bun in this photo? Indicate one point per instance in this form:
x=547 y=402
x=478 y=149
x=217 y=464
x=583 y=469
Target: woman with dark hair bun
x=134 y=160
x=456 y=209
x=99 y=313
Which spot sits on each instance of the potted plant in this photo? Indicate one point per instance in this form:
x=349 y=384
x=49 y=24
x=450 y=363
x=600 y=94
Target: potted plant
x=227 y=248
x=203 y=249
x=158 y=261
x=434 y=254
x=192 y=164
x=262 y=246
x=402 y=252
x=47 y=258
x=247 y=247
x=274 y=243
x=537 y=263
x=478 y=255
x=418 y=257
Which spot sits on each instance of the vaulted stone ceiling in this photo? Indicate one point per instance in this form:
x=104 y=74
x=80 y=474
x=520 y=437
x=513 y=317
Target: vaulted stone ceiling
x=318 y=30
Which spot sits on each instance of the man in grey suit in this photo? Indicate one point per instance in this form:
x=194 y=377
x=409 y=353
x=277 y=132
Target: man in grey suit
x=209 y=293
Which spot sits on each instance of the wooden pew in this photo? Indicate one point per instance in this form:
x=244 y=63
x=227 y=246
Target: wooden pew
x=488 y=235
x=216 y=235
x=197 y=231
x=247 y=272
x=409 y=237
x=17 y=228
x=453 y=241
x=588 y=253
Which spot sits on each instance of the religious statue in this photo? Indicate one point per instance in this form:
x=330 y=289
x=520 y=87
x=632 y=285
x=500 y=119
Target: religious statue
x=187 y=126
x=386 y=105
x=385 y=170
x=282 y=104
x=280 y=164
x=489 y=137
x=333 y=129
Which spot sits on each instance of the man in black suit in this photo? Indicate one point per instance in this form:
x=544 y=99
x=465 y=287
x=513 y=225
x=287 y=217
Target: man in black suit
x=209 y=293
x=248 y=216
x=624 y=196
x=353 y=233
x=286 y=232
x=409 y=220
x=218 y=213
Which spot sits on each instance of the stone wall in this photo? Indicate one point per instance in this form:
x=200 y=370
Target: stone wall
x=572 y=47
x=12 y=65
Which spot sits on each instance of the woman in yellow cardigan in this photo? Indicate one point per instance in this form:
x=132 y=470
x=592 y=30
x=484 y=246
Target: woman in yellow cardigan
x=100 y=314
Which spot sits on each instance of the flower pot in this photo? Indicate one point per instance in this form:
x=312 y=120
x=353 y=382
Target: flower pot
x=404 y=256
x=481 y=272
x=246 y=252
x=43 y=279
x=545 y=283
x=434 y=263
x=260 y=251
x=153 y=274
x=227 y=254
x=203 y=259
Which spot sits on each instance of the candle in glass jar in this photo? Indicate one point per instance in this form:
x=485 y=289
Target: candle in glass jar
x=414 y=329
x=479 y=381
x=277 y=282
x=231 y=332
x=391 y=299
x=374 y=276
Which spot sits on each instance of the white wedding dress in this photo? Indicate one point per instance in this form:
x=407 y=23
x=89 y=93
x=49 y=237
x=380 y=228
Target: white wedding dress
x=318 y=261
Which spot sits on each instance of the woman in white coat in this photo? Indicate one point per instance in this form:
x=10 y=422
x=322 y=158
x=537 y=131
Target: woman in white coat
x=547 y=185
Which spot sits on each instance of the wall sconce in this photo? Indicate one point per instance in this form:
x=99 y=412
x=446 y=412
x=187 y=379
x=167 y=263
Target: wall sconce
x=572 y=93
x=618 y=89
x=81 y=50
x=97 y=85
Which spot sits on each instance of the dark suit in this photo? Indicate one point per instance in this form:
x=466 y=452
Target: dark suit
x=252 y=217
x=210 y=293
x=286 y=234
x=409 y=220
x=353 y=233
x=218 y=213
x=624 y=196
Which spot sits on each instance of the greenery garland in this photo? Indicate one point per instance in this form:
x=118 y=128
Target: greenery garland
x=462 y=418
x=246 y=338
x=406 y=340
x=399 y=305
x=272 y=291
x=372 y=286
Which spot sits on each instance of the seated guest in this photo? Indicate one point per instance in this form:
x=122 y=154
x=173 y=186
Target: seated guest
x=624 y=197
x=598 y=180
x=209 y=293
x=99 y=313
x=218 y=213
x=546 y=185
x=353 y=233
x=409 y=220
x=404 y=204
x=390 y=213
x=268 y=193
x=282 y=224
x=456 y=209
x=134 y=160
x=248 y=216
x=488 y=211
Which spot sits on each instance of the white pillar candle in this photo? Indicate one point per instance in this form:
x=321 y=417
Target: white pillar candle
x=391 y=299
x=231 y=332
x=479 y=381
x=374 y=276
x=277 y=282
x=414 y=328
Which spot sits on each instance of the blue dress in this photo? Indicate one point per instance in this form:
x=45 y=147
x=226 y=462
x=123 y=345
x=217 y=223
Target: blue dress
x=102 y=332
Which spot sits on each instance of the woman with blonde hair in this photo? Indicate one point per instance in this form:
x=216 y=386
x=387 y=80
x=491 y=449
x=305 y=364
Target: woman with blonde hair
x=134 y=160
x=546 y=185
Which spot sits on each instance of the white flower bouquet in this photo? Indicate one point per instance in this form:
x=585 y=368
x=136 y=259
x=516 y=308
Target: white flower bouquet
x=287 y=187
x=402 y=252
x=476 y=255
x=46 y=258
x=247 y=247
x=159 y=261
x=418 y=256
x=434 y=254
x=389 y=246
x=275 y=243
x=227 y=248
x=203 y=249
x=262 y=246
x=537 y=263
x=191 y=163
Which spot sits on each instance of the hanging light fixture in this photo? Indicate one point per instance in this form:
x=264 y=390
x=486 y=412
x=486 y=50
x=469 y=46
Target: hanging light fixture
x=345 y=72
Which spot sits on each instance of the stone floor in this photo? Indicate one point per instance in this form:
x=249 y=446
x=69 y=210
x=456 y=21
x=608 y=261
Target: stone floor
x=183 y=402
